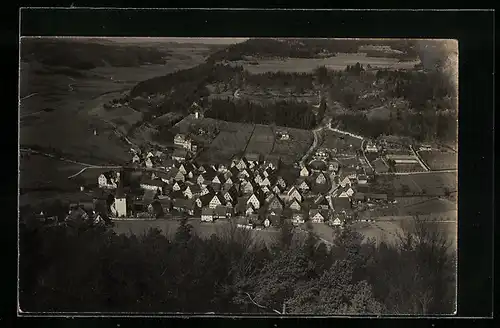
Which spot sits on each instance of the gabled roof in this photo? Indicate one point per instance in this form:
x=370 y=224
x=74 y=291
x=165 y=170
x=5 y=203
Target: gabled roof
x=183 y=203
x=155 y=183
x=205 y=199
x=221 y=199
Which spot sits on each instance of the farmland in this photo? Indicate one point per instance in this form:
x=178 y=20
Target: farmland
x=417 y=184
x=235 y=138
x=439 y=160
x=262 y=140
x=344 y=144
x=303 y=65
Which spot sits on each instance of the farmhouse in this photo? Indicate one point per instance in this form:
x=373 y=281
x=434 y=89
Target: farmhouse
x=119 y=207
x=272 y=162
x=148 y=184
x=216 y=200
x=304 y=172
x=182 y=140
x=321 y=154
x=275 y=203
x=303 y=185
x=321 y=178
x=362 y=179
x=295 y=205
x=282 y=135
x=317 y=216
x=207 y=214
x=371 y=147
x=293 y=193
x=108 y=180
x=184 y=205
x=256 y=199
x=192 y=191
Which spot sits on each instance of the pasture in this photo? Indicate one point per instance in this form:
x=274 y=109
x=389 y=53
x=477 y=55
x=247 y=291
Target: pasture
x=304 y=65
x=432 y=184
x=292 y=150
x=262 y=140
x=343 y=143
x=439 y=160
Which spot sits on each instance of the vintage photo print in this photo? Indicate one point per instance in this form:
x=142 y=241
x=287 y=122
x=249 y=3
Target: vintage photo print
x=238 y=176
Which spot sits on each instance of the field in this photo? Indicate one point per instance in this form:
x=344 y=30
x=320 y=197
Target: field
x=388 y=231
x=262 y=140
x=41 y=176
x=169 y=226
x=233 y=139
x=432 y=184
x=341 y=142
x=439 y=160
x=293 y=149
x=338 y=62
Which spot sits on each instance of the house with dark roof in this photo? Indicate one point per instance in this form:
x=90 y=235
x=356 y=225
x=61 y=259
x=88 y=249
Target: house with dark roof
x=184 y=205
x=275 y=203
x=256 y=199
x=217 y=200
x=295 y=205
x=341 y=204
x=180 y=155
x=272 y=161
x=192 y=191
x=207 y=214
x=318 y=215
x=148 y=184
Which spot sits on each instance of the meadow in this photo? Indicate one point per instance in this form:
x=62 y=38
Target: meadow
x=338 y=62
x=439 y=160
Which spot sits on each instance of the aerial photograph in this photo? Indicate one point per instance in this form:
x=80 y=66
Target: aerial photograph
x=238 y=176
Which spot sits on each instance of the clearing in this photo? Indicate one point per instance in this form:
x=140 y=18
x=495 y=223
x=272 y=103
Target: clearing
x=338 y=62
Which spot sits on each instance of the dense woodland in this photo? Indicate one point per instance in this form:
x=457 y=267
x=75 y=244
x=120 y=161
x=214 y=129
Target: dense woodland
x=283 y=113
x=83 y=268
x=87 y=55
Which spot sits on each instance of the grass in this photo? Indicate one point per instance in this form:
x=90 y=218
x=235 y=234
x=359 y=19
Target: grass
x=434 y=184
x=439 y=160
x=341 y=142
x=169 y=226
x=262 y=140
x=309 y=64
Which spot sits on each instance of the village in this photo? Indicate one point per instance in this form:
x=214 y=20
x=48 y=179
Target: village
x=253 y=191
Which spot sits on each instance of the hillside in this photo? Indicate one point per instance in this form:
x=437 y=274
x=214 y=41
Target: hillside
x=88 y=55
x=311 y=48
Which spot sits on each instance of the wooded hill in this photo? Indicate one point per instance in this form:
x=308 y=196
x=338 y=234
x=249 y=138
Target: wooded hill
x=87 y=55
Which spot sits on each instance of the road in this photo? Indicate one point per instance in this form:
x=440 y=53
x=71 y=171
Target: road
x=364 y=155
x=414 y=173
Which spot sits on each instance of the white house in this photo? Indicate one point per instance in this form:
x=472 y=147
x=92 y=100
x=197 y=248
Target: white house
x=217 y=200
x=316 y=216
x=293 y=193
x=337 y=222
x=182 y=140
x=371 y=147
x=109 y=180
x=207 y=214
x=345 y=182
x=297 y=218
x=304 y=172
x=295 y=205
x=267 y=223
x=349 y=192
x=119 y=207
x=136 y=158
x=255 y=200
x=321 y=179
x=304 y=186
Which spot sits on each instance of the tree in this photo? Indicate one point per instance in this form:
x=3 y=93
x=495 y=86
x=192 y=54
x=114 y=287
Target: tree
x=184 y=231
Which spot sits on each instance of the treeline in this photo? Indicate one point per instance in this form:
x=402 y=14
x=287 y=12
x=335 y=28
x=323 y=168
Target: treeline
x=301 y=82
x=307 y=48
x=421 y=89
x=427 y=126
x=82 y=268
x=282 y=113
x=88 y=55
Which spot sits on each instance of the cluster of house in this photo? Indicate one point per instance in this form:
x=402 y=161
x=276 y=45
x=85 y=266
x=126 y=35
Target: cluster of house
x=249 y=189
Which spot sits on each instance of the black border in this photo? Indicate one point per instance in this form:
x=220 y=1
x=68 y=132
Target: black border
x=473 y=30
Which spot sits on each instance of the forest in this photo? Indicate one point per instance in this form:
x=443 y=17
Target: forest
x=81 y=267
x=291 y=114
